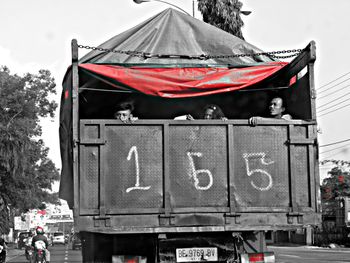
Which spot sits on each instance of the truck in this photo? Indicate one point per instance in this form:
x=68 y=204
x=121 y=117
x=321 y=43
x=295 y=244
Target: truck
x=165 y=190
x=335 y=221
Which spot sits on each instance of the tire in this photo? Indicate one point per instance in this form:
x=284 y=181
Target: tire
x=3 y=258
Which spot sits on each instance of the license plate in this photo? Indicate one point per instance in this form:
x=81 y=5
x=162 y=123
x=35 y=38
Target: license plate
x=196 y=254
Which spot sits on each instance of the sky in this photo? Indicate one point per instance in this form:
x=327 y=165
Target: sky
x=36 y=34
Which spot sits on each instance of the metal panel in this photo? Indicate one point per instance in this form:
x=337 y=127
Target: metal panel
x=176 y=163
x=91 y=131
x=133 y=167
x=301 y=173
x=313 y=170
x=89 y=177
x=299 y=157
x=198 y=166
x=167 y=197
x=261 y=167
x=75 y=123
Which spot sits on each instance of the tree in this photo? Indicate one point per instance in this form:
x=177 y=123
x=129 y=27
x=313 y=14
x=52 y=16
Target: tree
x=224 y=14
x=336 y=185
x=26 y=173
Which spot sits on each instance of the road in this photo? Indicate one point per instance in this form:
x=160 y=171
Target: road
x=310 y=255
x=59 y=254
x=63 y=254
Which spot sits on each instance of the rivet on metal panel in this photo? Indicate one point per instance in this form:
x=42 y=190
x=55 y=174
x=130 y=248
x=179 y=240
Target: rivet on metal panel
x=166 y=220
x=108 y=222
x=300 y=219
x=235 y=217
x=97 y=223
x=102 y=221
x=292 y=215
x=75 y=143
x=313 y=94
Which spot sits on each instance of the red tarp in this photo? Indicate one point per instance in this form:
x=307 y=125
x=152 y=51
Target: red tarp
x=184 y=82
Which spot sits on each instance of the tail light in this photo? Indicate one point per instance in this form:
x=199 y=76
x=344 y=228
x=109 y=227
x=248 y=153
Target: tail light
x=266 y=257
x=128 y=259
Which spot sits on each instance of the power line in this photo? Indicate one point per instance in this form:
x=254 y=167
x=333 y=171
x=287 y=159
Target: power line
x=333 y=100
x=333 y=92
x=334 y=110
x=333 y=143
x=323 y=86
x=330 y=107
x=335 y=148
x=334 y=86
x=334 y=154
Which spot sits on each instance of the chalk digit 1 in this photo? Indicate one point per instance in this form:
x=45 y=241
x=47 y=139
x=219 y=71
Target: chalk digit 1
x=137 y=186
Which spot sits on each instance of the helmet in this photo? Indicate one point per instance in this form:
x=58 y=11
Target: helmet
x=39 y=230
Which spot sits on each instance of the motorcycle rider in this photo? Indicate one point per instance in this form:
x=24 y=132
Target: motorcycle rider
x=28 y=246
x=2 y=250
x=41 y=239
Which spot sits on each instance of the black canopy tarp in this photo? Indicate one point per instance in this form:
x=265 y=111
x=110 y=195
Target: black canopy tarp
x=174 y=33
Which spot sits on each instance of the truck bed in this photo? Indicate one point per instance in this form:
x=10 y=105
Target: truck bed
x=156 y=176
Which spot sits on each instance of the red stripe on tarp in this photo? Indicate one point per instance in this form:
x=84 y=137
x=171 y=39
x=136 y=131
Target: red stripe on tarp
x=185 y=82
x=66 y=94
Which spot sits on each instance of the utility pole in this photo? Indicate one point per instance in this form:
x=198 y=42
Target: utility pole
x=165 y=2
x=193 y=8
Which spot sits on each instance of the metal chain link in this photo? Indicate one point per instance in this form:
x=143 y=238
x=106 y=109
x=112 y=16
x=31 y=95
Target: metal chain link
x=126 y=52
x=145 y=55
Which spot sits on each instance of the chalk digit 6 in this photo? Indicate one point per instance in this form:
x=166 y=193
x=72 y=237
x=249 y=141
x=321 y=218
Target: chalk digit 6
x=194 y=173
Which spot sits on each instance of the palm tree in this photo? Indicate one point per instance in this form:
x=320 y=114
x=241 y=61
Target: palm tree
x=224 y=14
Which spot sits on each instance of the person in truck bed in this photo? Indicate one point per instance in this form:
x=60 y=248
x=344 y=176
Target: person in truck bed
x=213 y=112
x=210 y=112
x=124 y=111
x=276 y=109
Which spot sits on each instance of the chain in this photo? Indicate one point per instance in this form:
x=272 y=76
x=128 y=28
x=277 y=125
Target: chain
x=126 y=52
x=274 y=54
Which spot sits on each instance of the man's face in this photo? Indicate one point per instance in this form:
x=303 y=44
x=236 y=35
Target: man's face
x=208 y=115
x=276 y=108
x=123 y=115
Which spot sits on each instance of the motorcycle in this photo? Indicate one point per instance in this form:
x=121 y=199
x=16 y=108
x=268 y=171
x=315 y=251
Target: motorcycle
x=29 y=253
x=39 y=256
x=2 y=254
x=2 y=258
